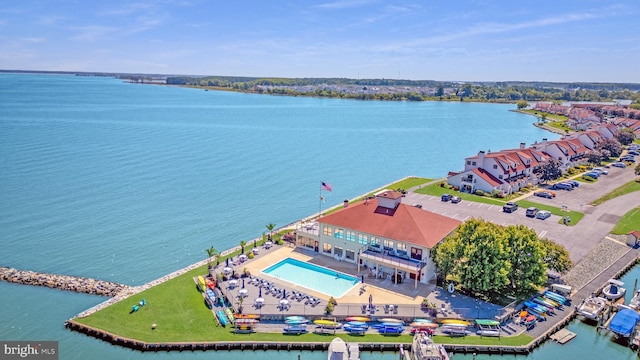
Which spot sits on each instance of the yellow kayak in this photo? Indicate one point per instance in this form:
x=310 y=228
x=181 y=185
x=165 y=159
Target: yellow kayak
x=455 y=322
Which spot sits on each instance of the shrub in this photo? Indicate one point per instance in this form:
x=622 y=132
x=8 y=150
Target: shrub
x=588 y=178
x=442 y=184
x=250 y=255
x=479 y=192
x=279 y=242
x=456 y=188
x=571 y=171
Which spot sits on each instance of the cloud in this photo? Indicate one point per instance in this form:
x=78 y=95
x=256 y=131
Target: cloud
x=33 y=39
x=344 y=4
x=93 y=32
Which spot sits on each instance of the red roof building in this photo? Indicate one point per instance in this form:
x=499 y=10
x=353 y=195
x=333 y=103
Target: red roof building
x=387 y=237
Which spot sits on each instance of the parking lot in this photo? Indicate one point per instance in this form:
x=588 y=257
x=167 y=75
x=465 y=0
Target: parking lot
x=579 y=239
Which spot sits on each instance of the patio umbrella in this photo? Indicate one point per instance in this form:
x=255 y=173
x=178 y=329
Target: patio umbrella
x=284 y=293
x=370 y=300
x=362 y=279
x=227 y=262
x=260 y=293
x=243 y=283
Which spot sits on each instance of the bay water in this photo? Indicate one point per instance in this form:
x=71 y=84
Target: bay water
x=126 y=182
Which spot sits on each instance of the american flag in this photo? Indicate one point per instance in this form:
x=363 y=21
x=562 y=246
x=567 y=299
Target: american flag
x=326 y=186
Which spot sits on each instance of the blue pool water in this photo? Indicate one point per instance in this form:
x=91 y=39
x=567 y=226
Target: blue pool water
x=312 y=277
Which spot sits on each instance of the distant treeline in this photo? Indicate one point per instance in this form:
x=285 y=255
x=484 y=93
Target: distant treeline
x=420 y=90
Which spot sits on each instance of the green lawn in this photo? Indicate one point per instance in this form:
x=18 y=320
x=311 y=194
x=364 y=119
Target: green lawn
x=575 y=216
x=178 y=310
x=435 y=189
x=629 y=222
x=629 y=187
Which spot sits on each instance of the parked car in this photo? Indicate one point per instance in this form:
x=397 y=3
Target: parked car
x=619 y=165
x=446 y=197
x=593 y=174
x=543 y=214
x=633 y=152
x=419 y=206
x=456 y=199
x=575 y=183
x=601 y=171
x=532 y=211
x=544 y=194
x=562 y=186
x=510 y=207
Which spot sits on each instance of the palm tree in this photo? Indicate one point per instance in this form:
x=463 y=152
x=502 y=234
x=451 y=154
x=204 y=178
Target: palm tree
x=270 y=227
x=242 y=244
x=211 y=252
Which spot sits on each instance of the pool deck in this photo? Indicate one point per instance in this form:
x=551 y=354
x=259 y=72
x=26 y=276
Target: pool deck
x=405 y=298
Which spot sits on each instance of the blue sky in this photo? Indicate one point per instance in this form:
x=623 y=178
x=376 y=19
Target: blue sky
x=561 y=40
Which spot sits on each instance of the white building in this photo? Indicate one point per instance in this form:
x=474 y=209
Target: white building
x=388 y=238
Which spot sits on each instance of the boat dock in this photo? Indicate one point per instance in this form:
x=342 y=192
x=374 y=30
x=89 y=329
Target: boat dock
x=563 y=336
x=354 y=351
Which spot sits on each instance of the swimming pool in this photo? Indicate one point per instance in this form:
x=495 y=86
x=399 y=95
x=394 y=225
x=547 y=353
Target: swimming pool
x=312 y=277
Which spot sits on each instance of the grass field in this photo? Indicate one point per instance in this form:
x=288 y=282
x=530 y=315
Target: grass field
x=178 y=310
x=629 y=187
x=435 y=189
x=575 y=216
x=629 y=222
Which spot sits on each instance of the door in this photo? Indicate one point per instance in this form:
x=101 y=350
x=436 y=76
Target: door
x=315 y=248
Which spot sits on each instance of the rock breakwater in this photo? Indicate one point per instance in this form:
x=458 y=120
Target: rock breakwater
x=62 y=282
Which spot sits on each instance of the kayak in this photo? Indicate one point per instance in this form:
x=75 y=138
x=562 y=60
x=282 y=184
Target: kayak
x=358 y=318
x=455 y=322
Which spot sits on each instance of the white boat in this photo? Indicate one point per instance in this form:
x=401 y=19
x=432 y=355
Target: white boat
x=614 y=289
x=423 y=348
x=592 y=307
x=634 y=303
x=338 y=350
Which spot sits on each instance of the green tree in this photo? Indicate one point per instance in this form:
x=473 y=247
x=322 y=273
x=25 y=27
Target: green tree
x=440 y=91
x=491 y=259
x=211 y=252
x=270 y=227
x=612 y=145
x=594 y=157
x=522 y=104
x=556 y=257
x=625 y=136
x=525 y=255
x=485 y=268
x=549 y=170
x=637 y=169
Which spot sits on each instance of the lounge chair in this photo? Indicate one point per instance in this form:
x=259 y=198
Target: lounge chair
x=395 y=309
x=364 y=309
x=386 y=309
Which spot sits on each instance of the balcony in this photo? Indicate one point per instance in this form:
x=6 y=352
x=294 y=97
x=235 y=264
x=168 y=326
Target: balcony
x=393 y=261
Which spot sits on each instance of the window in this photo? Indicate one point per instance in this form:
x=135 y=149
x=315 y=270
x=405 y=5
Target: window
x=327 y=230
x=499 y=176
x=363 y=239
x=351 y=235
x=416 y=253
x=468 y=162
x=388 y=244
x=349 y=254
x=495 y=166
x=326 y=248
x=375 y=241
x=338 y=233
x=337 y=251
x=473 y=163
x=402 y=247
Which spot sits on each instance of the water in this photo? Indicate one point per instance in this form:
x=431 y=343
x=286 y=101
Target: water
x=312 y=277
x=129 y=182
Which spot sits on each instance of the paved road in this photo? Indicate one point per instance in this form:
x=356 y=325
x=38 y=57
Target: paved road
x=580 y=239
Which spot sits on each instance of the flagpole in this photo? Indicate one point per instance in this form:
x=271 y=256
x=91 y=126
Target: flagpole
x=320 y=202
